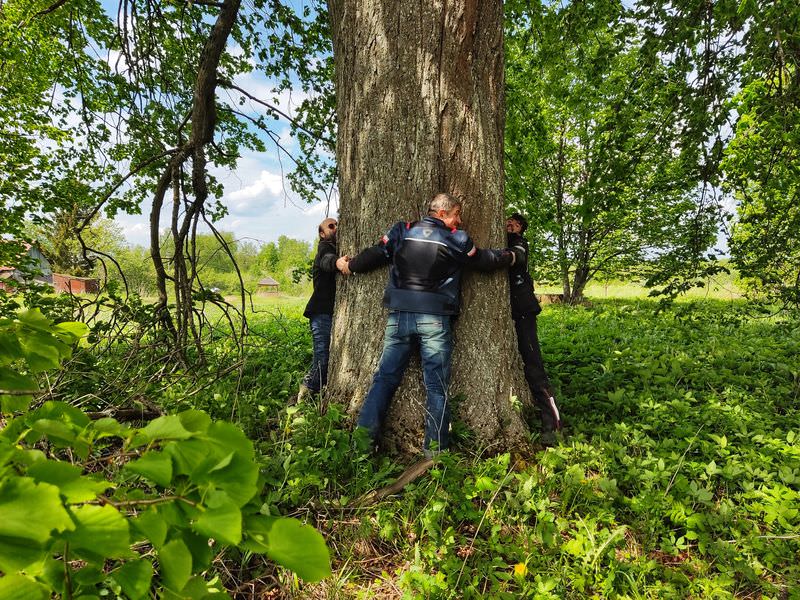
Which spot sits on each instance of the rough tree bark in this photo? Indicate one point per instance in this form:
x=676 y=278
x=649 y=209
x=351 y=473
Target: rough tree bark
x=420 y=109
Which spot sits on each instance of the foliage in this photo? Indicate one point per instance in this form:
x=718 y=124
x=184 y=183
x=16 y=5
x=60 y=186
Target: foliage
x=761 y=165
x=741 y=106
x=679 y=475
x=281 y=261
x=56 y=237
x=595 y=145
x=92 y=507
x=118 y=108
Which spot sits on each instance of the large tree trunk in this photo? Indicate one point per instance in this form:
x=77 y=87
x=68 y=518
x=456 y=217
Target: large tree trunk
x=420 y=110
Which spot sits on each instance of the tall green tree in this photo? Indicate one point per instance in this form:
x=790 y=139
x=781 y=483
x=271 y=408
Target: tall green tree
x=594 y=143
x=741 y=104
x=139 y=105
x=761 y=166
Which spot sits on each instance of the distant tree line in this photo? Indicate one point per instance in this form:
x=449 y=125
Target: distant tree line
x=287 y=261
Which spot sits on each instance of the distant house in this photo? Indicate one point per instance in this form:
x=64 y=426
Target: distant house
x=8 y=274
x=70 y=284
x=267 y=285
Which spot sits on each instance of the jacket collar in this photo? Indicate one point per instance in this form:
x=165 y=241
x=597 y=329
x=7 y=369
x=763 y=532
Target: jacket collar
x=434 y=221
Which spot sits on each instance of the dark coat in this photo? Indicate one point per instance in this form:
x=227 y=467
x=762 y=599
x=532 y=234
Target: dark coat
x=426 y=259
x=324 y=277
x=520 y=284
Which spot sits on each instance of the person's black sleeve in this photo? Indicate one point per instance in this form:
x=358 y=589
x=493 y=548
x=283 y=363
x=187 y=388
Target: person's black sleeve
x=327 y=261
x=370 y=259
x=518 y=245
x=464 y=251
x=488 y=259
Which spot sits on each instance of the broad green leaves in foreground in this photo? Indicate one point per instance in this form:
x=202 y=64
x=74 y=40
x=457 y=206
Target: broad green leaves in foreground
x=183 y=486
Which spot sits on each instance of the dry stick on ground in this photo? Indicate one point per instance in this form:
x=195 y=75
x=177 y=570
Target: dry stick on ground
x=410 y=474
x=126 y=414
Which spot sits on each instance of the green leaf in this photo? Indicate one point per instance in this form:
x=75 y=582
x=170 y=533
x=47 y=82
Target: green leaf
x=31 y=510
x=175 y=563
x=155 y=466
x=17 y=554
x=89 y=575
x=14 y=404
x=152 y=526
x=61 y=411
x=55 y=430
x=195 y=420
x=166 y=428
x=10 y=350
x=18 y=587
x=134 y=578
x=34 y=319
x=12 y=381
x=291 y=544
x=74 y=487
x=223 y=522
x=230 y=437
x=107 y=426
x=42 y=351
x=99 y=531
x=199 y=589
x=202 y=553
x=71 y=331
x=191 y=456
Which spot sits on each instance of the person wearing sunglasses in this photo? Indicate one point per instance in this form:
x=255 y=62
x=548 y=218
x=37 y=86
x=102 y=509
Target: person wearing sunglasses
x=319 y=310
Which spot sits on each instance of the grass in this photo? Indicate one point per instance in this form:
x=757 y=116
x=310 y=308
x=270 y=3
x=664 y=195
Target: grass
x=720 y=287
x=678 y=476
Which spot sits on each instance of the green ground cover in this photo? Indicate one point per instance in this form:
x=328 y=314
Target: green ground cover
x=678 y=475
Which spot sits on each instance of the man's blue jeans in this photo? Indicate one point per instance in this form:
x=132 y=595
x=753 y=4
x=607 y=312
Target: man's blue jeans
x=435 y=337
x=317 y=376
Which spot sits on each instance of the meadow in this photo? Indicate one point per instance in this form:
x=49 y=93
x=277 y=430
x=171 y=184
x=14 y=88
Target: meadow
x=678 y=474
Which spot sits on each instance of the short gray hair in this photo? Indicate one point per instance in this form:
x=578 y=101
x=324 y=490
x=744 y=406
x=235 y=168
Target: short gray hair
x=444 y=202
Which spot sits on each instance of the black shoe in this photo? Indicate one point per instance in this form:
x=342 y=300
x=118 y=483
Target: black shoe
x=548 y=439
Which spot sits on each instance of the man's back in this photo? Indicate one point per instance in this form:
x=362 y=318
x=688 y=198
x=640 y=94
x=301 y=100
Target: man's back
x=426 y=259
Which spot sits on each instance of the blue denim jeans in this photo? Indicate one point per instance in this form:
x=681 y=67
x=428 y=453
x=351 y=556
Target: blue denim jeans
x=317 y=376
x=435 y=337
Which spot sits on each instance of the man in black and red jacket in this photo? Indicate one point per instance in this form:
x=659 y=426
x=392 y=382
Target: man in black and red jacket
x=422 y=295
x=524 y=308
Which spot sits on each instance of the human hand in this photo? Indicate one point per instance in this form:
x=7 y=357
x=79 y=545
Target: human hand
x=342 y=263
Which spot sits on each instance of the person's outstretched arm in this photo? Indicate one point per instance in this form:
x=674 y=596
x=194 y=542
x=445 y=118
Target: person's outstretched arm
x=481 y=259
x=379 y=255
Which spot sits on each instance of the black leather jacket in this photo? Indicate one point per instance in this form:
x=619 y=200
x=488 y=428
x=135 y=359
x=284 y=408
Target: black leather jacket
x=520 y=284
x=426 y=260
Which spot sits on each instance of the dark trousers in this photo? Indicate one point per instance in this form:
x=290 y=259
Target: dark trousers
x=535 y=375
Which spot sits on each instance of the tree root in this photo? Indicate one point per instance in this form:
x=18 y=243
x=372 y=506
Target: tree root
x=411 y=474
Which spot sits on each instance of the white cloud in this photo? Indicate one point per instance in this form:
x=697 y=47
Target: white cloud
x=267 y=182
x=260 y=204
